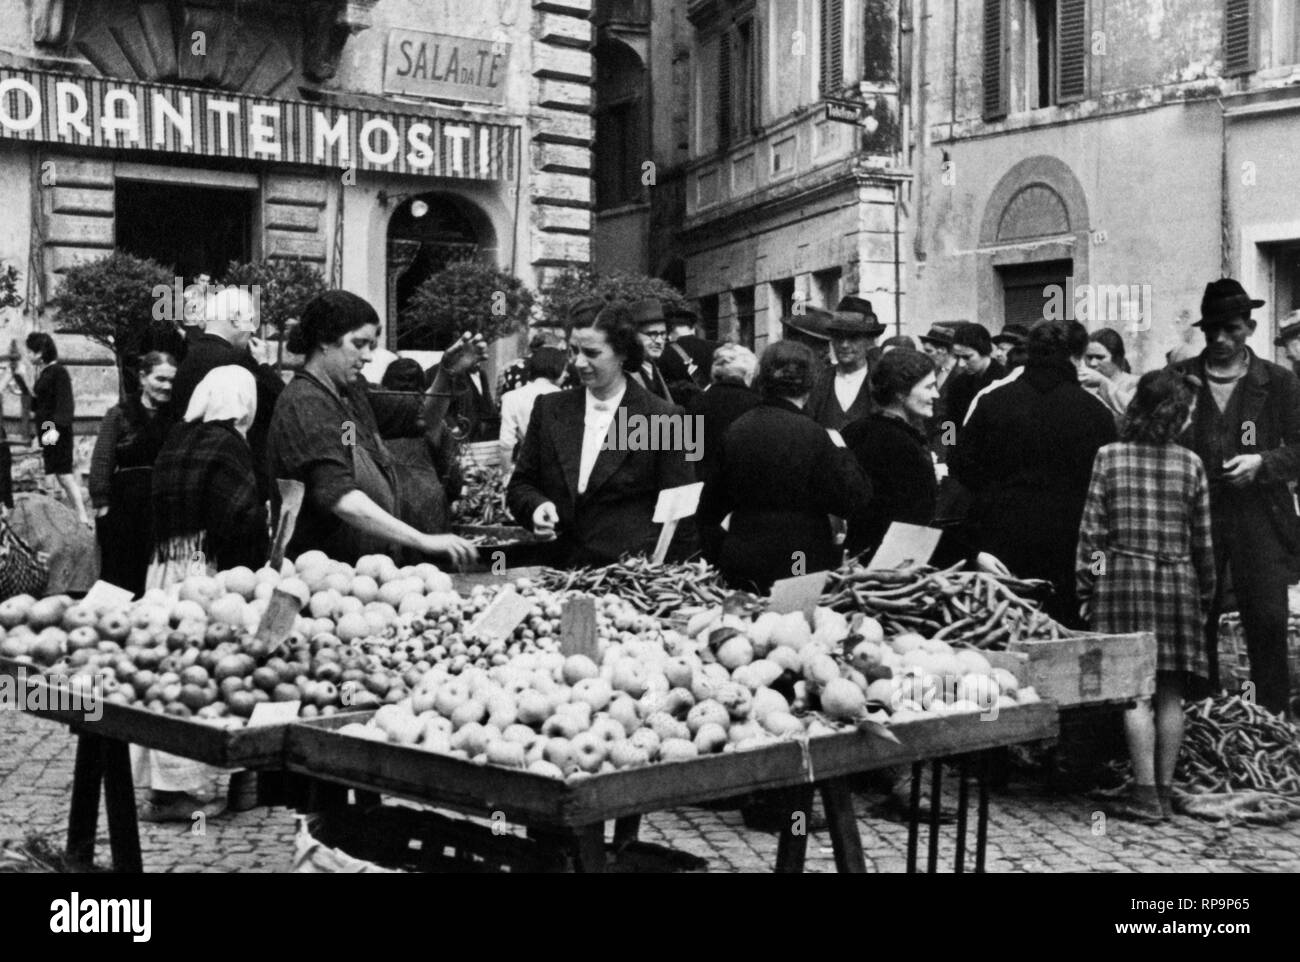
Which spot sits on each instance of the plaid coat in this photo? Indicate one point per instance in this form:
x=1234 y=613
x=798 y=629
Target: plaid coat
x=1145 y=561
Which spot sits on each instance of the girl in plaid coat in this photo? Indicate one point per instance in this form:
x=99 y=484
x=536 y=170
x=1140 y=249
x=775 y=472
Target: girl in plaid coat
x=1145 y=563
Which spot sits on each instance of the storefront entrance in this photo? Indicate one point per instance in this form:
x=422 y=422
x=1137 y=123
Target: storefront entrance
x=191 y=230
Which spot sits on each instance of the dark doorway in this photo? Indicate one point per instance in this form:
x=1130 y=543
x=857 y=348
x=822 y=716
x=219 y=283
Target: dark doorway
x=190 y=230
x=1027 y=289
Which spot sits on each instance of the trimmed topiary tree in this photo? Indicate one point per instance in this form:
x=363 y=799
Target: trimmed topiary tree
x=573 y=285
x=466 y=295
x=284 y=287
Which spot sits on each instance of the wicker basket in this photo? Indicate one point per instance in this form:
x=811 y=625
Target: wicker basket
x=1234 y=660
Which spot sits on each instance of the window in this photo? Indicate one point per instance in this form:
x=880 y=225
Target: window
x=738 y=80
x=783 y=291
x=191 y=230
x=743 y=301
x=827 y=285
x=622 y=140
x=1054 y=56
x=1025 y=289
x=1278 y=25
x=832 y=48
x=709 y=316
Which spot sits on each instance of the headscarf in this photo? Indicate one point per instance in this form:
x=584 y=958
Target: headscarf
x=226 y=393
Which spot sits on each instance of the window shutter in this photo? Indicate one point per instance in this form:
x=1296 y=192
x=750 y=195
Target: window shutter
x=1240 y=51
x=832 y=47
x=1072 y=51
x=995 y=59
x=724 y=88
x=756 y=59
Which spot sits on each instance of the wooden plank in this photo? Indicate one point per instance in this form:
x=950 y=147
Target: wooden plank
x=792 y=846
x=561 y=95
x=1090 y=668
x=846 y=840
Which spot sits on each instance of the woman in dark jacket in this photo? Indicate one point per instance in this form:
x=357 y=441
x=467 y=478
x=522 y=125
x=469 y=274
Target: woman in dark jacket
x=594 y=459
x=328 y=428
x=890 y=447
x=53 y=410
x=206 y=509
x=780 y=478
x=121 y=473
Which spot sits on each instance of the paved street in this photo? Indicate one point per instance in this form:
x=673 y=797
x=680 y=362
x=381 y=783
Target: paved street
x=1029 y=831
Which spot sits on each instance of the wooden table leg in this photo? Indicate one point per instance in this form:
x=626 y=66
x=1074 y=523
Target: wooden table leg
x=792 y=839
x=913 y=817
x=119 y=802
x=626 y=830
x=83 y=814
x=591 y=848
x=846 y=840
x=963 y=798
x=936 y=809
x=982 y=820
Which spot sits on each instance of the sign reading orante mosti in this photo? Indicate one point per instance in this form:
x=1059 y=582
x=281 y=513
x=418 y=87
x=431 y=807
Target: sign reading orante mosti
x=126 y=115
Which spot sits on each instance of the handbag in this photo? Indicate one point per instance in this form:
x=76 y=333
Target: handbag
x=21 y=569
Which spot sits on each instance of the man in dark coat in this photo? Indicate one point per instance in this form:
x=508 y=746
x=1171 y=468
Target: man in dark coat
x=842 y=394
x=1246 y=429
x=652 y=329
x=1026 y=457
x=686 y=362
x=613 y=515
x=937 y=345
x=1288 y=338
x=231 y=318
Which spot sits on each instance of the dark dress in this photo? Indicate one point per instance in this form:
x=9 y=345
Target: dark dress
x=894 y=457
x=824 y=404
x=964 y=388
x=1256 y=529
x=334 y=445
x=121 y=479
x=203 y=485
x=205 y=353
x=614 y=515
x=52 y=403
x=1026 y=457
x=720 y=405
x=780 y=477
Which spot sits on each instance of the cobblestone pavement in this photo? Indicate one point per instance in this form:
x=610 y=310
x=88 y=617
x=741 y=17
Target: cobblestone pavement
x=1029 y=830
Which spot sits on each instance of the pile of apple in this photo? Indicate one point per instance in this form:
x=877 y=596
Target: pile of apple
x=362 y=639
x=730 y=683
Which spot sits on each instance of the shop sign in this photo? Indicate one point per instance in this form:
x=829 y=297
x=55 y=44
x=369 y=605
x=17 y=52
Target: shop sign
x=450 y=68
x=844 y=111
x=125 y=115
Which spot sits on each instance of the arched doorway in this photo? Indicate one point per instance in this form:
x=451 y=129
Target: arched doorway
x=425 y=234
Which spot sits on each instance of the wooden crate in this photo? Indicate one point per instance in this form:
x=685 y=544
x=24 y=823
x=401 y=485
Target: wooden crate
x=1085 y=670
x=316 y=748
x=261 y=747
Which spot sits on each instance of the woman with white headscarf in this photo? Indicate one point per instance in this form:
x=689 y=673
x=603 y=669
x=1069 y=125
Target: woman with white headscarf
x=206 y=509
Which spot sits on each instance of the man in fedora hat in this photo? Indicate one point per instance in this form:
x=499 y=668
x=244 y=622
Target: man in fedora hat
x=652 y=329
x=1246 y=429
x=1288 y=338
x=842 y=393
x=937 y=345
x=1009 y=346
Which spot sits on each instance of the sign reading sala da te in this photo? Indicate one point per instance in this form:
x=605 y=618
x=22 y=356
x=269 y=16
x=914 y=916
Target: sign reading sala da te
x=451 y=68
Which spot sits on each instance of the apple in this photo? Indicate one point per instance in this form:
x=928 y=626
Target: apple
x=114 y=625
x=82 y=636
x=588 y=751
x=578 y=668
x=79 y=616
x=595 y=692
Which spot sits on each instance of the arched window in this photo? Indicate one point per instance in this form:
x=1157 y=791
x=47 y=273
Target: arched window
x=622 y=125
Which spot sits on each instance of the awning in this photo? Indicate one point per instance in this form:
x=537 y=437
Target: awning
x=78 y=111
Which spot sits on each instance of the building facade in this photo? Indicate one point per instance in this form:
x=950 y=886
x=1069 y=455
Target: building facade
x=798 y=177
x=376 y=139
x=1106 y=159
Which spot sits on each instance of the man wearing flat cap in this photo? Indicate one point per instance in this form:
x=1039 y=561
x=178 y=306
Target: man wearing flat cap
x=652 y=329
x=1288 y=338
x=842 y=393
x=1246 y=429
x=1009 y=346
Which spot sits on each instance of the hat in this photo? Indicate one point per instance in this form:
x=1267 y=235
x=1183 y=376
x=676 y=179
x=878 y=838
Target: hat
x=853 y=324
x=852 y=304
x=811 y=322
x=1289 y=330
x=1223 y=299
x=582 y=313
x=681 y=314
x=648 y=310
x=1013 y=334
x=938 y=334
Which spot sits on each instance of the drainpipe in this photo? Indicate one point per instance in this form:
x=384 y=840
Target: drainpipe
x=1225 y=215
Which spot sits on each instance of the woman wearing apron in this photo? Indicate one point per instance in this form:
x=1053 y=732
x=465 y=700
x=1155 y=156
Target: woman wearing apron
x=121 y=473
x=327 y=432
